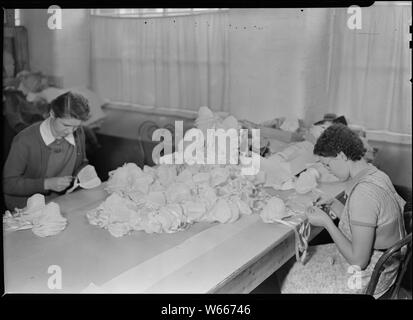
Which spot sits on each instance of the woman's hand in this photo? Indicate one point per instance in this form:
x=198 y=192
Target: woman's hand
x=325 y=200
x=332 y=206
x=57 y=184
x=316 y=216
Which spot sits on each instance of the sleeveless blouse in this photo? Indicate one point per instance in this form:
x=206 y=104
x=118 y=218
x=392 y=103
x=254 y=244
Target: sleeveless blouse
x=376 y=187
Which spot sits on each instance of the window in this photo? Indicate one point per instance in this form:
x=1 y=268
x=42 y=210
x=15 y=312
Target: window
x=174 y=62
x=151 y=13
x=17 y=17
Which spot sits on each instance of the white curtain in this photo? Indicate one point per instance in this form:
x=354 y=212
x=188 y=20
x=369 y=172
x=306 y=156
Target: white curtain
x=370 y=69
x=169 y=62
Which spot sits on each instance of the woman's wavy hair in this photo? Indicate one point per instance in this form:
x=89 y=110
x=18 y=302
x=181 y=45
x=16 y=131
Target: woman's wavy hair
x=71 y=105
x=339 y=138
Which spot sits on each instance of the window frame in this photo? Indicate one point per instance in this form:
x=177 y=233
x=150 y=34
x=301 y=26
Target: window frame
x=141 y=13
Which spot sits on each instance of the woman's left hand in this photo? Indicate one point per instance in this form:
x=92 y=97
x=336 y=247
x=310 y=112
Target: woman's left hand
x=316 y=216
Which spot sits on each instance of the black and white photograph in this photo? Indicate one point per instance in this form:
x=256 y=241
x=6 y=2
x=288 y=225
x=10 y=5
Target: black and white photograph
x=255 y=151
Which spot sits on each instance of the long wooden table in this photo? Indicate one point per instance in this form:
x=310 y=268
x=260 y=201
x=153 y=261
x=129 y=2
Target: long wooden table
x=205 y=258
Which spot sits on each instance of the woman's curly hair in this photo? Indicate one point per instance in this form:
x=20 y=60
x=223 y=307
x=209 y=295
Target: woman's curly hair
x=71 y=105
x=339 y=138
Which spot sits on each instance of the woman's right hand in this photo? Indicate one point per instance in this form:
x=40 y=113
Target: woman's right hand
x=324 y=200
x=57 y=184
x=316 y=216
x=332 y=205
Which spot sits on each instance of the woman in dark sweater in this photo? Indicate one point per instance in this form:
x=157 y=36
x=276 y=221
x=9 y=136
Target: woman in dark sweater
x=45 y=156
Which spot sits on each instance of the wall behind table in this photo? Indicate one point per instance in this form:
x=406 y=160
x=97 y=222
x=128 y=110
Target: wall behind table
x=126 y=136
x=277 y=57
x=63 y=53
x=396 y=160
x=278 y=63
x=278 y=66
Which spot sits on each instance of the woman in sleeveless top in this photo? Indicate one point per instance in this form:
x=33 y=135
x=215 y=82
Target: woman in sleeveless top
x=370 y=222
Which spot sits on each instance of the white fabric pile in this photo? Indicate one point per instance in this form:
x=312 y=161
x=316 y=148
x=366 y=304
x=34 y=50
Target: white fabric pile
x=290 y=124
x=121 y=215
x=215 y=120
x=44 y=219
x=170 y=197
x=277 y=171
x=129 y=179
x=49 y=222
x=274 y=210
x=307 y=180
x=281 y=168
x=87 y=178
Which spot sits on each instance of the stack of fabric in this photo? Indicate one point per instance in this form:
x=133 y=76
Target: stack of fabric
x=206 y=119
x=49 y=222
x=44 y=219
x=168 y=198
x=215 y=120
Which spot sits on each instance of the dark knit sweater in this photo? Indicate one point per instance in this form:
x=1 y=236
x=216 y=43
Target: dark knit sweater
x=25 y=169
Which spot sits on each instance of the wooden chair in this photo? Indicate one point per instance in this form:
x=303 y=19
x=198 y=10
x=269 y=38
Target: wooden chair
x=395 y=291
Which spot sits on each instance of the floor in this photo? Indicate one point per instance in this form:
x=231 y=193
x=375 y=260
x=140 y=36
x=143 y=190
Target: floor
x=270 y=285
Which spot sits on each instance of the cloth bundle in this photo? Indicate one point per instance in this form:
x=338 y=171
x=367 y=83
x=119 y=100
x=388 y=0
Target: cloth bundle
x=215 y=120
x=44 y=219
x=32 y=82
x=307 y=180
x=276 y=210
x=168 y=198
x=87 y=178
x=129 y=179
x=50 y=222
x=121 y=216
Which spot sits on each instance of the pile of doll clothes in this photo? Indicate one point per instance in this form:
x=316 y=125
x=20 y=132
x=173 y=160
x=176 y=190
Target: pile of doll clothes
x=169 y=198
x=87 y=178
x=44 y=219
x=207 y=119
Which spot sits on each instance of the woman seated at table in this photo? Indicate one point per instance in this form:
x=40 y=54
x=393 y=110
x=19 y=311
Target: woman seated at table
x=44 y=157
x=370 y=222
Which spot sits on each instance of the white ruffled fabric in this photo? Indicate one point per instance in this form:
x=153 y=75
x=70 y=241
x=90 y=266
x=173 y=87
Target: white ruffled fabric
x=274 y=210
x=44 y=219
x=169 y=197
x=50 y=222
x=307 y=181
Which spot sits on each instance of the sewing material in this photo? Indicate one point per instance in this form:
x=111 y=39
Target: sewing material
x=208 y=119
x=168 y=198
x=44 y=219
x=50 y=222
x=307 y=180
x=224 y=211
x=277 y=171
x=35 y=203
x=290 y=124
x=274 y=210
x=87 y=178
x=301 y=237
x=289 y=214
